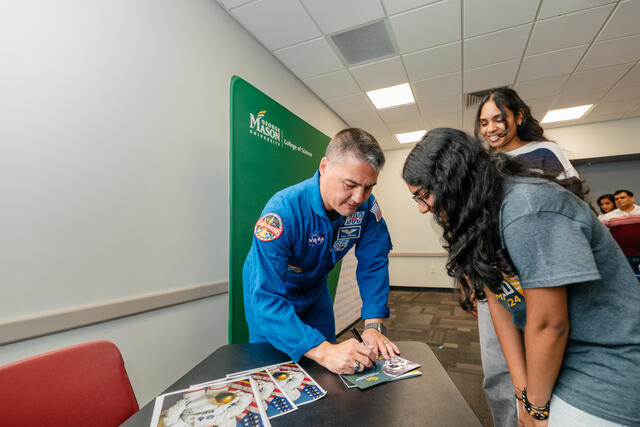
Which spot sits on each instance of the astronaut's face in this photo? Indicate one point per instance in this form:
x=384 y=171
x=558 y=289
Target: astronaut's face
x=345 y=183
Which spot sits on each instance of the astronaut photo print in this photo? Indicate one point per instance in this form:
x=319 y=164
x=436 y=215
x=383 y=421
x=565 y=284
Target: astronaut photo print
x=226 y=404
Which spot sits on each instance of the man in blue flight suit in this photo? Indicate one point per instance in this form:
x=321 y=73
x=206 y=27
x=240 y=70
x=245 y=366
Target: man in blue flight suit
x=303 y=231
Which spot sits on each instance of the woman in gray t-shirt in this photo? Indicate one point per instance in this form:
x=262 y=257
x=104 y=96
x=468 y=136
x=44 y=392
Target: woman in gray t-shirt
x=563 y=299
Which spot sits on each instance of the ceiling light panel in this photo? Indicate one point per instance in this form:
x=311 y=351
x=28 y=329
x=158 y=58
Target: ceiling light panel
x=566 y=113
x=391 y=96
x=408 y=137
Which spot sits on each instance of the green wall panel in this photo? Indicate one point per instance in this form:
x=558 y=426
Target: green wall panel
x=271 y=148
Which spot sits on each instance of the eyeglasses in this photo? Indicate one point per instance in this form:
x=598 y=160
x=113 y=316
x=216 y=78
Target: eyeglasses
x=421 y=198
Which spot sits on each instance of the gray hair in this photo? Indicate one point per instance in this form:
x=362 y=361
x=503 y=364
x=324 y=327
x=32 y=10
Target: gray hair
x=359 y=143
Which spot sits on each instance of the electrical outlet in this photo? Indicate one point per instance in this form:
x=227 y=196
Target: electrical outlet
x=433 y=269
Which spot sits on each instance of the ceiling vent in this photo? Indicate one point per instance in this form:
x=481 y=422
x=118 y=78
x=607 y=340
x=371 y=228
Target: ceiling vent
x=473 y=98
x=364 y=44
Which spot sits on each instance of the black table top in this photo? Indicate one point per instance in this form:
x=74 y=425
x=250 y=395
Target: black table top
x=428 y=400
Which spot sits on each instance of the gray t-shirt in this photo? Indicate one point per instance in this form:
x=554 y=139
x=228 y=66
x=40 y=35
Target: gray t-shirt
x=554 y=239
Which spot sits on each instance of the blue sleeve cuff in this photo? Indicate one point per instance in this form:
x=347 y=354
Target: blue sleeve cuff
x=313 y=339
x=374 y=312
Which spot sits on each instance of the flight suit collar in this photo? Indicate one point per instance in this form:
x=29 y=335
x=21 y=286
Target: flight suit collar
x=315 y=197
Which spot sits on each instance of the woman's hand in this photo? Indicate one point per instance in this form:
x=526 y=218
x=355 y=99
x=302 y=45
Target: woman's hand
x=526 y=420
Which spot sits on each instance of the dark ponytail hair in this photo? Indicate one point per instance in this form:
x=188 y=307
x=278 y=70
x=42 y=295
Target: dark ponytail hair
x=508 y=99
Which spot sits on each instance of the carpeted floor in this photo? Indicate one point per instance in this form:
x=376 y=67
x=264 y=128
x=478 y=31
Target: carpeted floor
x=434 y=316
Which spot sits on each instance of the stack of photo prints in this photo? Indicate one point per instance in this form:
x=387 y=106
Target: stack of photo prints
x=248 y=398
x=393 y=369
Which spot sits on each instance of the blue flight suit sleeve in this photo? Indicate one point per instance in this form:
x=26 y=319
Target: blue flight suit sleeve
x=372 y=273
x=275 y=313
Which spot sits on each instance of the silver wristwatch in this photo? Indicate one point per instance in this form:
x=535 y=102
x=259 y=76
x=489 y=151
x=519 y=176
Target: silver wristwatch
x=377 y=326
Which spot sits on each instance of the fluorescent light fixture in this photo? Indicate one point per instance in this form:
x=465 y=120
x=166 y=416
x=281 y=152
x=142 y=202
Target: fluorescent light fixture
x=566 y=113
x=391 y=96
x=407 y=137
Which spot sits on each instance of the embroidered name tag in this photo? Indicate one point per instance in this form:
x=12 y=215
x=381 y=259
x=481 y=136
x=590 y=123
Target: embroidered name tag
x=348 y=232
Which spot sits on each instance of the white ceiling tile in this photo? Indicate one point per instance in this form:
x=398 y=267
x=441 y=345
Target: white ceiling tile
x=428 y=26
x=567 y=30
x=334 y=85
x=540 y=88
x=388 y=142
x=277 y=23
x=377 y=75
x=400 y=113
x=350 y=104
x=438 y=87
x=601 y=118
x=486 y=16
x=550 y=63
x=396 y=6
x=632 y=76
x=596 y=78
x=449 y=120
x=560 y=7
x=448 y=104
x=622 y=107
x=406 y=126
x=337 y=15
x=230 y=4
x=469 y=120
x=310 y=59
x=490 y=76
x=369 y=121
x=495 y=47
x=628 y=87
x=624 y=21
x=623 y=91
x=433 y=62
x=611 y=52
x=540 y=106
x=635 y=112
x=573 y=99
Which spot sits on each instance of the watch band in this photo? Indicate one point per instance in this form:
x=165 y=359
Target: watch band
x=378 y=326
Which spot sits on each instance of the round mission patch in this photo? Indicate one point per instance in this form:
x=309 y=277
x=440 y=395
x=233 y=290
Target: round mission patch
x=268 y=227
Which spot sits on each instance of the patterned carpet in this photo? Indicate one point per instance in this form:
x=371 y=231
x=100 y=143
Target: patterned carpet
x=434 y=316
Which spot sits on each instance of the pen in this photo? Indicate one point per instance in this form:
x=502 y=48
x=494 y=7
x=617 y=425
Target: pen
x=357 y=335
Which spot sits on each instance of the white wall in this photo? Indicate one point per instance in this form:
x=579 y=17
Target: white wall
x=602 y=139
x=410 y=231
x=114 y=168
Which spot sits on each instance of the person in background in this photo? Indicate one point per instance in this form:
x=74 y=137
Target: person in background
x=624 y=206
x=507 y=126
x=303 y=231
x=606 y=204
x=624 y=225
x=559 y=287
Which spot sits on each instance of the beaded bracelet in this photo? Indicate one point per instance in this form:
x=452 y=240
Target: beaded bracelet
x=538 y=412
x=517 y=397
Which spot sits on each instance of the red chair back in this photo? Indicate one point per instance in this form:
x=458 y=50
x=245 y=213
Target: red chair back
x=82 y=385
x=626 y=231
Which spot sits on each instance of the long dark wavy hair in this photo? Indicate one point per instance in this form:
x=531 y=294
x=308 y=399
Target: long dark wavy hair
x=467 y=182
x=505 y=98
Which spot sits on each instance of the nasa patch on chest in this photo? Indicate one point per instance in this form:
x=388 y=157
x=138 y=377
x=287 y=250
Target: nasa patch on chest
x=316 y=239
x=269 y=227
x=348 y=232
